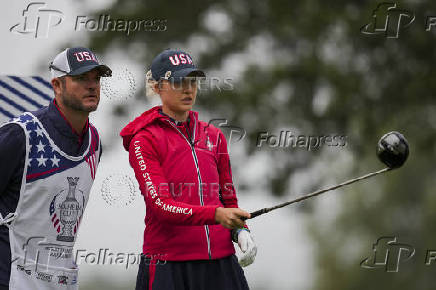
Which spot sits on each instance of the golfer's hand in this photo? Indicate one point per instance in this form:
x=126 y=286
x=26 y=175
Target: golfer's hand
x=231 y=217
x=247 y=246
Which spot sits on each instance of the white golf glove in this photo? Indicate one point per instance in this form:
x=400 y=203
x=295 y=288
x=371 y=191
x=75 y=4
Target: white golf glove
x=247 y=246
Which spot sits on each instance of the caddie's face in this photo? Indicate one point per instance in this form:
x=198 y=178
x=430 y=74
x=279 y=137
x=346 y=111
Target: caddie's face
x=82 y=92
x=178 y=96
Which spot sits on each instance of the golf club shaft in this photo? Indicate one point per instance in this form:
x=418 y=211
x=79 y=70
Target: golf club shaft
x=315 y=193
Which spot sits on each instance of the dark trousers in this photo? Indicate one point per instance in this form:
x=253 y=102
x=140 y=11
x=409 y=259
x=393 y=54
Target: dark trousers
x=4 y=287
x=221 y=274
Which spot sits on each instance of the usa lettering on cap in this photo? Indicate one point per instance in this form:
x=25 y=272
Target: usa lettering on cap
x=180 y=58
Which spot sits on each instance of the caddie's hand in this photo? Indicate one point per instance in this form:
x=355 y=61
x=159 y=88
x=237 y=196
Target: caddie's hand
x=247 y=246
x=231 y=217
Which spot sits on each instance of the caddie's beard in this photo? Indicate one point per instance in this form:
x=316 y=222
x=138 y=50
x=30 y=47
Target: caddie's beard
x=75 y=104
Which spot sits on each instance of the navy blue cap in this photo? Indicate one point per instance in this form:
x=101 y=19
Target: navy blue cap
x=75 y=61
x=174 y=65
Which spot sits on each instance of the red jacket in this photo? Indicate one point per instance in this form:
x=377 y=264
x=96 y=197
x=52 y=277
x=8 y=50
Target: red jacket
x=169 y=166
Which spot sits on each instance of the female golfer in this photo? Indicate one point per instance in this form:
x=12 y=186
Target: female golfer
x=183 y=170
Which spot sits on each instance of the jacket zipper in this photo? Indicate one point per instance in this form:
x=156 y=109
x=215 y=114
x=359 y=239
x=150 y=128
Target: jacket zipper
x=200 y=193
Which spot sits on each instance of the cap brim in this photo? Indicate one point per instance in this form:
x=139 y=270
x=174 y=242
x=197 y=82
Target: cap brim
x=104 y=70
x=187 y=72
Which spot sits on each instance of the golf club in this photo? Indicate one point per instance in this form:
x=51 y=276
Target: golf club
x=392 y=150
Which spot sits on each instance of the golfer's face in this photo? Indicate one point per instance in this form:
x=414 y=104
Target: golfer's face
x=179 y=96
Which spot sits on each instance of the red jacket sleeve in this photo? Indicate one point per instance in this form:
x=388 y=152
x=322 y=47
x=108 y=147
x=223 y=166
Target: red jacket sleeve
x=144 y=160
x=227 y=190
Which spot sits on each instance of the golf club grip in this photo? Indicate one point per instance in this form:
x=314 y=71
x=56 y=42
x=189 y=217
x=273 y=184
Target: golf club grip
x=258 y=213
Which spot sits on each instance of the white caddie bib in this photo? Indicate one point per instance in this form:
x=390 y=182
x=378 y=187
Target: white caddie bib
x=53 y=196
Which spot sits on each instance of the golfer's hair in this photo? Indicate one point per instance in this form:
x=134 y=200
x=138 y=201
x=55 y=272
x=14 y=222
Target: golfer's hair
x=62 y=82
x=149 y=87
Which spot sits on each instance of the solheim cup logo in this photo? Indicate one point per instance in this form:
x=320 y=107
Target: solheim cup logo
x=66 y=214
x=69 y=211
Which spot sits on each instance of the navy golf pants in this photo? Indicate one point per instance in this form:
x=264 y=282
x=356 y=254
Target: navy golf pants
x=221 y=274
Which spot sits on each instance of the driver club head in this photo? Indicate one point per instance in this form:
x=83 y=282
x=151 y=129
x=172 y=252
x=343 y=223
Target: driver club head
x=393 y=149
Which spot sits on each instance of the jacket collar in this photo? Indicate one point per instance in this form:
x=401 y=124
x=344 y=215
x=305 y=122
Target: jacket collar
x=63 y=126
x=177 y=123
x=146 y=119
